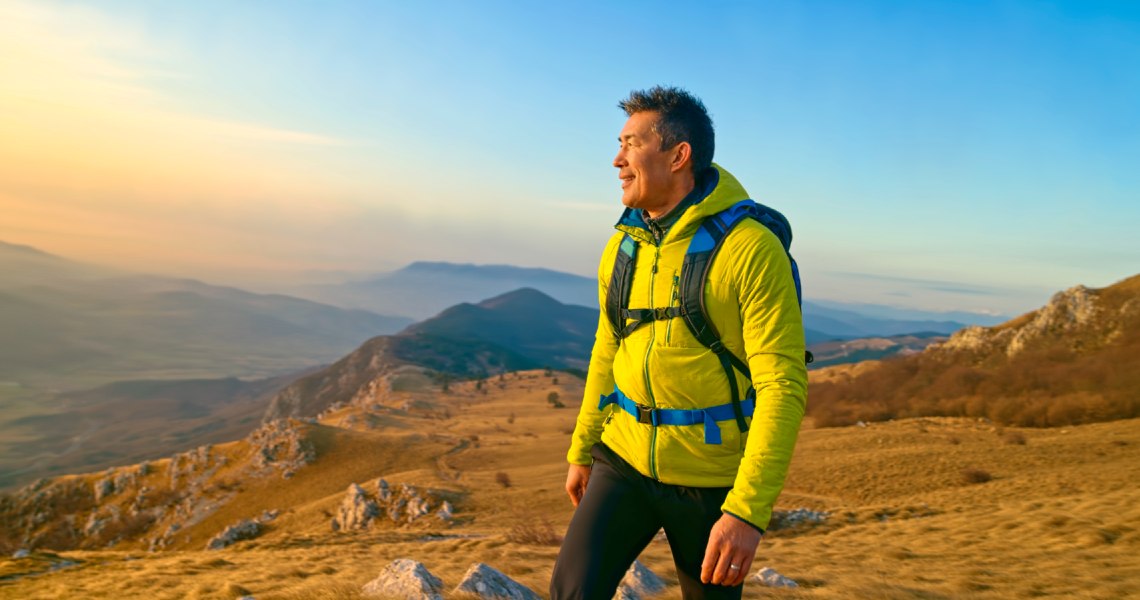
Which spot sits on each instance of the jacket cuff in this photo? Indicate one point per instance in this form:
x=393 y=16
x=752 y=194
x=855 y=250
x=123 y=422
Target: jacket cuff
x=743 y=520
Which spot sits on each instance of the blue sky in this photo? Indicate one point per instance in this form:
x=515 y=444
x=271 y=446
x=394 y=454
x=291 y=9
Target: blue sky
x=937 y=155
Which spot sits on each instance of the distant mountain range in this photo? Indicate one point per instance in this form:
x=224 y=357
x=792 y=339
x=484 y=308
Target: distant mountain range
x=66 y=325
x=423 y=289
x=827 y=321
x=838 y=352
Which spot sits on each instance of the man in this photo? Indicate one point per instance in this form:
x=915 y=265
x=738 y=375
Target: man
x=632 y=475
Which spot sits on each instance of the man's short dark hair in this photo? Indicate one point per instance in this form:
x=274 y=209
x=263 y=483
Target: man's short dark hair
x=683 y=118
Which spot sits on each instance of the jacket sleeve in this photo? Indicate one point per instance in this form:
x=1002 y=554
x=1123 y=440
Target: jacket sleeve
x=774 y=346
x=599 y=377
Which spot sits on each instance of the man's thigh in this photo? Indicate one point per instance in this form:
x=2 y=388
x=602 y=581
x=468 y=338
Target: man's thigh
x=688 y=515
x=611 y=526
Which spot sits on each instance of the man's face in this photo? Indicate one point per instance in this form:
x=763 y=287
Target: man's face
x=644 y=168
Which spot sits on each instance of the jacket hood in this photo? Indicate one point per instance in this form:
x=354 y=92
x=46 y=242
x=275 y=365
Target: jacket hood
x=722 y=191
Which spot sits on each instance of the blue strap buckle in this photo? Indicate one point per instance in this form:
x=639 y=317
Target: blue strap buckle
x=647 y=415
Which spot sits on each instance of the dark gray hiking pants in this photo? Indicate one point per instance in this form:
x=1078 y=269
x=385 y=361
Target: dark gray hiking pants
x=618 y=516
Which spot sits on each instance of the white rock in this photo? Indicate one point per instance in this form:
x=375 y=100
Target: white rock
x=769 y=577
x=486 y=582
x=640 y=581
x=416 y=508
x=405 y=578
x=21 y=553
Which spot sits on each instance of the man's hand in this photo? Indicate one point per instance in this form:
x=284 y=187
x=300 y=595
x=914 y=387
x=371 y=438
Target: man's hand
x=576 y=482
x=731 y=542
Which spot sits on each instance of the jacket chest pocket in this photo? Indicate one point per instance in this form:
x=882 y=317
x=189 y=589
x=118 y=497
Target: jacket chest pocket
x=676 y=330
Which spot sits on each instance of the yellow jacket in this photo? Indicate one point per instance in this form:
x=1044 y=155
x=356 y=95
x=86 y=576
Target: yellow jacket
x=751 y=300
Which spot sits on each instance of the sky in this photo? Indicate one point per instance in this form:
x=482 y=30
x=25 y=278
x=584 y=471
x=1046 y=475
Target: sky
x=958 y=155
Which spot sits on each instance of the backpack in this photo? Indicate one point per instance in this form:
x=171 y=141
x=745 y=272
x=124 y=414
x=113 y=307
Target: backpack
x=694 y=271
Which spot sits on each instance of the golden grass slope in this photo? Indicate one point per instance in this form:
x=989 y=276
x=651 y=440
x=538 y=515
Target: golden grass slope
x=1060 y=516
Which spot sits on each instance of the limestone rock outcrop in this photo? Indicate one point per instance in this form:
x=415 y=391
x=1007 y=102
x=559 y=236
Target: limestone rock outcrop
x=402 y=504
x=1074 y=315
x=279 y=444
x=785 y=519
x=242 y=530
x=484 y=581
x=355 y=511
x=405 y=578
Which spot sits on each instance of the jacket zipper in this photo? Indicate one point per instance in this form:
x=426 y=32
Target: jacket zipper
x=672 y=299
x=645 y=367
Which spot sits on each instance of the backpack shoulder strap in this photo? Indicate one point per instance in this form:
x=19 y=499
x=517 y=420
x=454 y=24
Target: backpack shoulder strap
x=621 y=280
x=695 y=271
x=698 y=259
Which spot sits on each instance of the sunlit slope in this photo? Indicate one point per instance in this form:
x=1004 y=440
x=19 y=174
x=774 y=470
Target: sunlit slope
x=1075 y=360
x=910 y=515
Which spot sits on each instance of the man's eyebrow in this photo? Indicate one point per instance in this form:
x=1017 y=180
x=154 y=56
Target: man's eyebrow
x=628 y=136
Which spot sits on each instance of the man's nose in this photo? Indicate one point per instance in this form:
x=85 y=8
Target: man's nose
x=619 y=160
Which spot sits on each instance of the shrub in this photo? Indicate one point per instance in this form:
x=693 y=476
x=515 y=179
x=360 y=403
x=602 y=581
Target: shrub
x=503 y=479
x=539 y=533
x=976 y=476
x=552 y=399
x=1013 y=437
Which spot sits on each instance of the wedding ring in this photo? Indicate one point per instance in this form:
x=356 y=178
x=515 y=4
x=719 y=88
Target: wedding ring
x=736 y=567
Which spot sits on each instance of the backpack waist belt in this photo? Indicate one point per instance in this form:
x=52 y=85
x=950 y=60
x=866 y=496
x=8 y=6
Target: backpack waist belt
x=680 y=416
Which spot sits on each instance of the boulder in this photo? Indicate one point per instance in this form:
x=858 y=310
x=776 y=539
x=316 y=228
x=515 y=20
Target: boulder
x=405 y=578
x=446 y=512
x=486 y=582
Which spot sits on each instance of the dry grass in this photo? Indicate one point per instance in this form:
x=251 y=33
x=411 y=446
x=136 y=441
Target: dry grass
x=1060 y=518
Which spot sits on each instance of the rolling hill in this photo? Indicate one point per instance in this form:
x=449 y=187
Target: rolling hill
x=518 y=330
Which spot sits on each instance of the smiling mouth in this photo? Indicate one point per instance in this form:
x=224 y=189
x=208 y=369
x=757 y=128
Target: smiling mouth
x=625 y=181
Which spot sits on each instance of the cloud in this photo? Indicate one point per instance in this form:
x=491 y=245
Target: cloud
x=80 y=99
x=97 y=160
x=951 y=287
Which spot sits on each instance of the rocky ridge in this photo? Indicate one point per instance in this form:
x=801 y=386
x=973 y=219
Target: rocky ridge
x=153 y=500
x=1077 y=317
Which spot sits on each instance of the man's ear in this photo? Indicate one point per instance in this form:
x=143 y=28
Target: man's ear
x=682 y=156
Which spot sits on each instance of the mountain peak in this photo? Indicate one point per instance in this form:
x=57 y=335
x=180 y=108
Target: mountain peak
x=450 y=268
x=21 y=249
x=521 y=299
